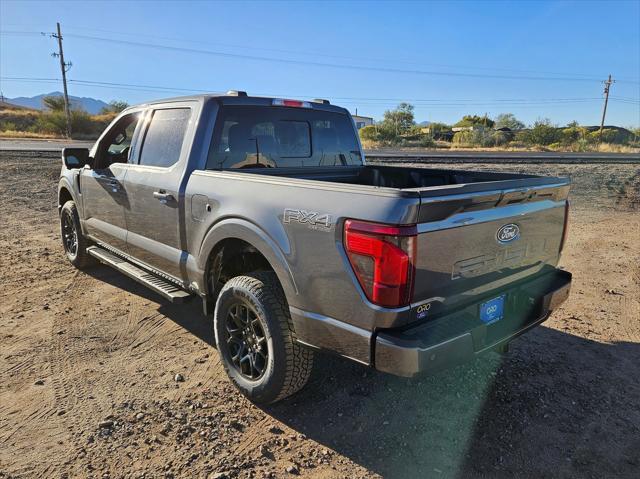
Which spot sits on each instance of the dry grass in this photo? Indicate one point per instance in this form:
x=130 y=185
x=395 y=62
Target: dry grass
x=27 y=134
x=22 y=112
x=443 y=145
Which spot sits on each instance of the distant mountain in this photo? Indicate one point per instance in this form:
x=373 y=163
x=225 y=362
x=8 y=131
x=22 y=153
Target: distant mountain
x=424 y=123
x=90 y=105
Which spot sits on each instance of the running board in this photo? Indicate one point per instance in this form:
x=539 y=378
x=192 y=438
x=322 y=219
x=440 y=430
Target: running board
x=161 y=286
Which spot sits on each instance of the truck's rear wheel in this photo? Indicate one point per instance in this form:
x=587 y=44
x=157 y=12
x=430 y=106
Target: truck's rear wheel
x=73 y=242
x=255 y=339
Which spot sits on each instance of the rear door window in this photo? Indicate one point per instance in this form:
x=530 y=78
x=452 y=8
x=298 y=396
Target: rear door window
x=263 y=136
x=164 y=138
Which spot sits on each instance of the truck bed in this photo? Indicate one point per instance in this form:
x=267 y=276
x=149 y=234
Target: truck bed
x=458 y=215
x=411 y=179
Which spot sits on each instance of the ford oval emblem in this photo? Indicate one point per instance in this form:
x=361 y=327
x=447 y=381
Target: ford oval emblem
x=507 y=233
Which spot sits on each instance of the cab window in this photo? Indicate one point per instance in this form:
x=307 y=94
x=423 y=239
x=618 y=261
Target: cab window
x=164 y=138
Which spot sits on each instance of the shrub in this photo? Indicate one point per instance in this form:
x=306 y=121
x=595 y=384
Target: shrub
x=474 y=138
x=608 y=136
x=572 y=134
x=543 y=133
x=426 y=141
x=22 y=119
x=500 y=138
x=368 y=133
x=7 y=126
x=52 y=122
x=580 y=145
x=55 y=122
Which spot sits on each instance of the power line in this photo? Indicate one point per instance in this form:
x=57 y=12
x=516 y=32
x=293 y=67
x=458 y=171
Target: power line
x=559 y=77
x=323 y=64
x=577 y=76
x=583 y=77
x=326 y=55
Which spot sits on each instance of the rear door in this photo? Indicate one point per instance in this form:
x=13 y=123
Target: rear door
x=104 y=198
x=153 y=185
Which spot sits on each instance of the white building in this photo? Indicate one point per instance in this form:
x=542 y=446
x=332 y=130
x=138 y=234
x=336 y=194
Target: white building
x=362 y=121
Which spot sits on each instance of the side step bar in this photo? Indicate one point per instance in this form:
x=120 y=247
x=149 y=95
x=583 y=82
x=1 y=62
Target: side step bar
x=161 y=286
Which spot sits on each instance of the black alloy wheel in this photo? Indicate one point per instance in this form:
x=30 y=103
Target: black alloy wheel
x=246 y=341
x=69 y=233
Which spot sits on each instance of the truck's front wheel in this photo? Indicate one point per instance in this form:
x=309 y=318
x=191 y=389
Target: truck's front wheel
x=255 y=339
x=73 y=242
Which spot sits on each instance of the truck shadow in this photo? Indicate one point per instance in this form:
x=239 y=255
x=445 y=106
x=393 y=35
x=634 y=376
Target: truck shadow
x=556 y=402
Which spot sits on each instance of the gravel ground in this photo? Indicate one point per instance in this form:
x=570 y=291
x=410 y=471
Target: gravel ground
x=101 y=378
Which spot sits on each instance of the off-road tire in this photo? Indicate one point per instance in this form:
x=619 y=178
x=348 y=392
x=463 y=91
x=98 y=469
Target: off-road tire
x=288 y=364
x=80 y=258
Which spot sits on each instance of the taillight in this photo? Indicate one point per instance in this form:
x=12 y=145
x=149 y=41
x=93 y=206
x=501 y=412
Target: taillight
x=293 y=103
x=565 y=228
x=383 y=259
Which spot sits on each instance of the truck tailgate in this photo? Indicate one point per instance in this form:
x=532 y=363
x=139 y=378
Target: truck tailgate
x=474 y=242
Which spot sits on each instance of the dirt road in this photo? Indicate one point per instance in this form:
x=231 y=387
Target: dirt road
x=88 y=365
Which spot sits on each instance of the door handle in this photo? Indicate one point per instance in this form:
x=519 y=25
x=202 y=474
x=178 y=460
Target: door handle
x=163 y=197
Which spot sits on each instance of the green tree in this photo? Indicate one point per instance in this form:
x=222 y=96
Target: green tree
x=114 y=106
x=54 y=103
x=399 y=120
x=508 y=120
x=55 y=122
x=437 y=128
x=475 y=120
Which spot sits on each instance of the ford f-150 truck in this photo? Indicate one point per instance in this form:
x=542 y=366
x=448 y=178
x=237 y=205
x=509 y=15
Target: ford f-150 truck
x=266 y=210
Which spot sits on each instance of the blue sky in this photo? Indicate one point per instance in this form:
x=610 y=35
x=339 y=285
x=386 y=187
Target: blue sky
x=535 y=59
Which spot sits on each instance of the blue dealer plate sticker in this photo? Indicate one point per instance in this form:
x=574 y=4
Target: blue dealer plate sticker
x=492 y=310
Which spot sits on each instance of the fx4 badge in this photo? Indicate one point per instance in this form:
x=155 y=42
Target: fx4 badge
x=313 y=219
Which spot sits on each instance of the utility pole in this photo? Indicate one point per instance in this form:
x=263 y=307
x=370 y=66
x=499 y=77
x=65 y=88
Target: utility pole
x=64 y=67
x=607 y=85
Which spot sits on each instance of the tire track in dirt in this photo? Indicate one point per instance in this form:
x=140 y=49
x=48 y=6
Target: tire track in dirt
x=68 y=353
x=122 y=344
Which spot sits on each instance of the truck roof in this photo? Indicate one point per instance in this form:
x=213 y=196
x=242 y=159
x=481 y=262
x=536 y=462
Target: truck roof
x=233 y=97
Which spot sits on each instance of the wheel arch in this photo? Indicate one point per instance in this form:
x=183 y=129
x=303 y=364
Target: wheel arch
x=244 y=236
x=64 y=193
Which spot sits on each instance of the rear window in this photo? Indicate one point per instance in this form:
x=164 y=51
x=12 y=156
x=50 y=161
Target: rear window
x=163 y=141
x=254 y=136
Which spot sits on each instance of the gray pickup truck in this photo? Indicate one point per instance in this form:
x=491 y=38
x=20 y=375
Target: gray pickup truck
x=266 y=210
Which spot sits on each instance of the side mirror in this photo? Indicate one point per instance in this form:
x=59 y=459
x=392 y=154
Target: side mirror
x=76 y=157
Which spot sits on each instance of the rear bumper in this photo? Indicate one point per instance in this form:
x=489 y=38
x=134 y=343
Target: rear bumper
x=460 y=336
